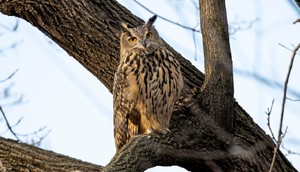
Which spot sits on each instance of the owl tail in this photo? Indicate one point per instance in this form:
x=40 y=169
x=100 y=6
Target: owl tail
x=125 y=132
x=120 y=137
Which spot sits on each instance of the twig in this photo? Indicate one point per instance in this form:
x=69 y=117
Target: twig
x=34 y=132
x=241 y=25
x=285 y=47
x=195 y=46
x=293 y=100
x=40 y=139
x=289 y=152
x=285 y=88
x=7 y=124
x=280 y=134
x=12 y=126
x=10 y=76
x=280 y=138
x=12 y=46
x=15 y=27
x=170 y=21
x=296 y=21
x=268 y=118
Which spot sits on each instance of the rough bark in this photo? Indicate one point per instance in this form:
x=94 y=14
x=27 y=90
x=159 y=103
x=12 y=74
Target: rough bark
x=88 y=31
x=20 y=157
x=217 y=90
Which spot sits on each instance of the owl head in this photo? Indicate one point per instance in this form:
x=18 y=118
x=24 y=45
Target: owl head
x=142 y=37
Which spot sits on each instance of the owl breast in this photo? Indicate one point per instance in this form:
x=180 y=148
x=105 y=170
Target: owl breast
x=155 y=82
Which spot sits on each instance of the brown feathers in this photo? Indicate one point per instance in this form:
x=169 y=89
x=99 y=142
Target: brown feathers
x=147 y=83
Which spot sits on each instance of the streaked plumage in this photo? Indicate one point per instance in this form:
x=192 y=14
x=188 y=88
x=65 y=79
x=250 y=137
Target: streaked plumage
x=147 y=83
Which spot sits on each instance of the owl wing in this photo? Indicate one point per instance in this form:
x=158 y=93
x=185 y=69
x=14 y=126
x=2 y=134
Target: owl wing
x=125 y=117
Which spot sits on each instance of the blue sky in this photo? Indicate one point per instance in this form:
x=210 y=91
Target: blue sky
x=60 y=94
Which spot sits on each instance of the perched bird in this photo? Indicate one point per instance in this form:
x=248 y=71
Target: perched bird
x=147 y=83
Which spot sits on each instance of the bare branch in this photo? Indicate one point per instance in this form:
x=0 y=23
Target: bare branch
x=39 y=138
x=289 y=152
x=10 y=76
x=195 y=45
x=276 y=149
x=285 y=88
x=296 y=21
x=269 y=111
x=7 y=124
x=286 y=47
x=293 y=100
x=241 y=25
x=13 y=29
x=280 y=133
x=12 y=126
x=170 y=21
x=36 y=139
x=12 y=46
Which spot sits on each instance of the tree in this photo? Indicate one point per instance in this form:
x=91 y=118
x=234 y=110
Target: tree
x=200 y=138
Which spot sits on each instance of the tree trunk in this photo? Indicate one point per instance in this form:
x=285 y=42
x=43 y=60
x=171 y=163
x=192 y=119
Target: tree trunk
x=217 y=90
x=88 y=31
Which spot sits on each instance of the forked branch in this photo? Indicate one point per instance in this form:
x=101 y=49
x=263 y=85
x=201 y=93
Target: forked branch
x=280 y=133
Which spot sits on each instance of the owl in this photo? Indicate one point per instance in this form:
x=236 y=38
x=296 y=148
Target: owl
x=147 y=83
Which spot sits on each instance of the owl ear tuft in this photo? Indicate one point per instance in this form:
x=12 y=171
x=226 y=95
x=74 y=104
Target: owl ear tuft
x=124 y=27
x=151 y=21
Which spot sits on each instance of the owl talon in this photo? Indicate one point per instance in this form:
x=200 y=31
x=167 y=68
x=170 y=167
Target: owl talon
x=166 y=131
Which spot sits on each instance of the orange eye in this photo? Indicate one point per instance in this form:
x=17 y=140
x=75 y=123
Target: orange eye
x=132 y=39
x=149 y=35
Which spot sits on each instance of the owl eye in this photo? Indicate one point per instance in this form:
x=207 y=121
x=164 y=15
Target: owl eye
x=132 y=39
x=149 y=35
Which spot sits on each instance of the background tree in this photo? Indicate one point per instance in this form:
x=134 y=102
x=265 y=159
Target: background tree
x=96 y=48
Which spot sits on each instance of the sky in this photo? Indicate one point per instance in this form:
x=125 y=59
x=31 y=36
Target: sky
x=76 y=108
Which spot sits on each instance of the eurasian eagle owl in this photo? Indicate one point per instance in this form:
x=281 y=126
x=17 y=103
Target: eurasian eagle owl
x=147 y=83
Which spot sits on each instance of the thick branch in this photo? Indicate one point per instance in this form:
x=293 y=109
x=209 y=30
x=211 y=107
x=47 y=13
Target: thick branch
x=20 y=157
x=87 y=30
x=218 y=85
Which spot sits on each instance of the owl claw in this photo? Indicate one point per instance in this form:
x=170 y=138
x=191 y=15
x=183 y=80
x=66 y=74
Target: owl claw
x=165 y=131
x=162 y=131
x=168 y=131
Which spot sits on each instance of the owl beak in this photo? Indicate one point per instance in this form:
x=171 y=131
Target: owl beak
x=142 y=44
x=145 y=43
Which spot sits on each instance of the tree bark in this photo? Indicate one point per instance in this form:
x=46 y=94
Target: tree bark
x=20 y=157
x=88 y=31
x=217 y=90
